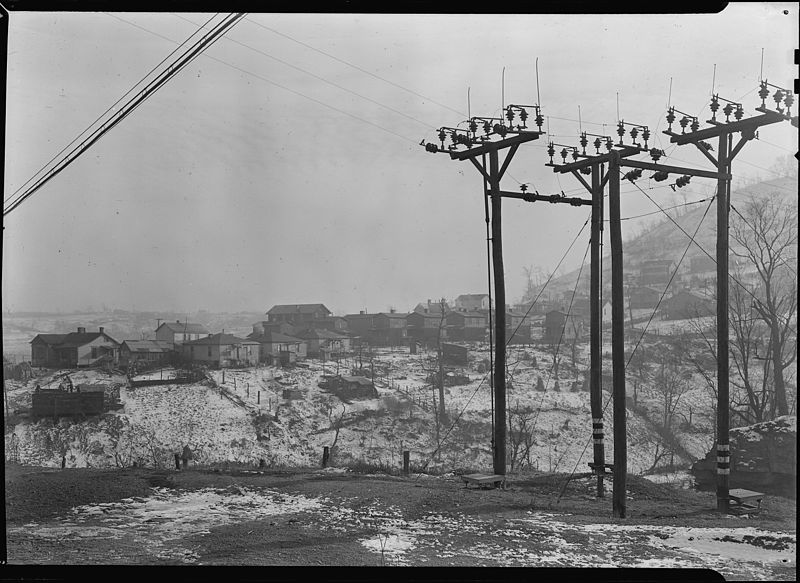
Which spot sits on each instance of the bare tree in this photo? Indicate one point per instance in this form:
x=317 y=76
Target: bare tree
x=521 y=423
x=766 y=233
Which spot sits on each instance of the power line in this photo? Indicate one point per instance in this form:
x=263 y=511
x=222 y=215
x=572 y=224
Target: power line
x=349 y=64
x=324 y=80
x=64 y=149
x=207 y=41
x=303 y=95
x=483 y=380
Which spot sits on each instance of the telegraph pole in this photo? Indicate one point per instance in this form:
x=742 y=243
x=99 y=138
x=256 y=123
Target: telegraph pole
x=724 y=131
x=594 y=165
x=616 y=156
x=466 y=144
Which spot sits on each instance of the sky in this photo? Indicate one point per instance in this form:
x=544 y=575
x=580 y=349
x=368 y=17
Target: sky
x=284 y=164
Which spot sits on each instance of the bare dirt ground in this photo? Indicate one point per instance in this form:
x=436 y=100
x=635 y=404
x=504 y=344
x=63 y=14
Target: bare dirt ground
x=332 y=517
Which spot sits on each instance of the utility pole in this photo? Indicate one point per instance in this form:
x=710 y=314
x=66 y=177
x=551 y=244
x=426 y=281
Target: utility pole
x=724 y=131
x=616 y=156
x=498 y=134
x=594 y=164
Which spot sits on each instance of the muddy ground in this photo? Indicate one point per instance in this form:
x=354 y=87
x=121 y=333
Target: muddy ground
x=329 y=517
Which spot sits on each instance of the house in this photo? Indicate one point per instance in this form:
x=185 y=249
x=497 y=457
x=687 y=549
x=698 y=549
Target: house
x=43 y=350
x=518 y=326
x=279 y=347
x=76 y=349
x=559 y=325
x=471 y=302
x=179 y=332
x=655 y=271
x=426 y=327
x=465 y=324
x=431 y=308
x=331 y=323
x=145 y=352
x=685 y=305
x=324 y=344
x=379 y=329
x=643 y=297
x=222 y=350
x=297 y=314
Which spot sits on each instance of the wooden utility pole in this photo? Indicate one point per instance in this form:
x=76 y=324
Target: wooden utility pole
x=747 y=128
x=595 y=331
x=617 y=342
x=475 y=149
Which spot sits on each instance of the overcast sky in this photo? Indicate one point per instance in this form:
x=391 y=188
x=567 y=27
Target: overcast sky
x=283 y=165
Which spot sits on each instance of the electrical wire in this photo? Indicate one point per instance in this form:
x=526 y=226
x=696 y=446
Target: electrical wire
x=483 y=380
x=298 y=93
x=428 y=126
x=64 y=149
x=349 y=64
x=207 y=41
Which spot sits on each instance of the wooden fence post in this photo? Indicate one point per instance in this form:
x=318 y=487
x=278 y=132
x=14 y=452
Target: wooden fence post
x=326 y=454
x=406 y=462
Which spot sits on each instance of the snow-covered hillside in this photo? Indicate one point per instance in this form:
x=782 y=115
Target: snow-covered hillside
x=244 y=416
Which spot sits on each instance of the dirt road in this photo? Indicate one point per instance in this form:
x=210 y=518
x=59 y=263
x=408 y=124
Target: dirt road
x=333 y=517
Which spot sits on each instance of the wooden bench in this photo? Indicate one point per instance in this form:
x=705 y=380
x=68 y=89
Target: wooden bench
x=484 y=480
x=744 y=501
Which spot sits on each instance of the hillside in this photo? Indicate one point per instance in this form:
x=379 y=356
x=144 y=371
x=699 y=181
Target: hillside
x=661 y=239
x=247 y=418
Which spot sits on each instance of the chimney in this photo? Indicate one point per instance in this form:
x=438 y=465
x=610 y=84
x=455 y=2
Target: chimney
x=362 y=312
x=392 y=310
x=81 y=330
x=177 y=321
x=429 y=302
x=102 y=330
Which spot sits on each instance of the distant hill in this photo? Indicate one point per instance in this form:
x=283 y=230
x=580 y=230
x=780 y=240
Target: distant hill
x=665 y=241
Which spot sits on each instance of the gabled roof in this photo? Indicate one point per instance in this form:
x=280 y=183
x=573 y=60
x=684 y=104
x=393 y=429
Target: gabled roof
x=184 y=328
x=286 y=309
x=320 y=334
x=472 y=296
x=392 y=315
x=433 y=308
x=49 y=338
x=148 y=346
x=468 y=314
x=219 y=339
x=75 y=339
x=274 y=338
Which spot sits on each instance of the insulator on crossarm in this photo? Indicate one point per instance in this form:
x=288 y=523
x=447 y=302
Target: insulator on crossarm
x=551 y=151
x=597 y=143
x=584 y=142
x=739 y=113
x=714 y=107
x=727 y=110
x=670 y=117
x=695 y=125
x=778 y=97
x=660 y=176
x=655 y=154
x=789 y=100
x=645 y=136
x=763 y=93
x=684 y=122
